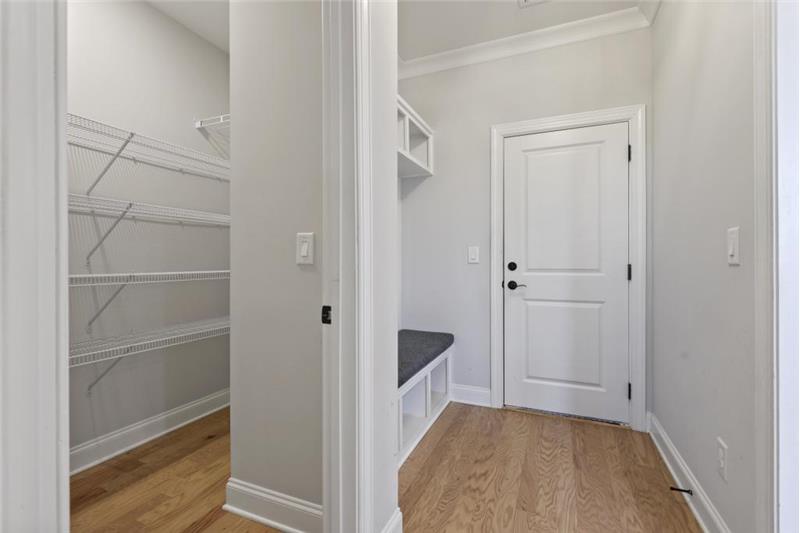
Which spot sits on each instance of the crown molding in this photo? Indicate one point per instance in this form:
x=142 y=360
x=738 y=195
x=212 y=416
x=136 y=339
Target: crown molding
x=621 y=21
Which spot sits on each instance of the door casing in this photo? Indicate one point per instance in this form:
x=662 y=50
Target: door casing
x=637 y=239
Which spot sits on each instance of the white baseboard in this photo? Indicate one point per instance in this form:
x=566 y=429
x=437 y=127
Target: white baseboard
x=105 y=447
x=395 y=523
x=272 y=508
x=702 y=507
x=472 y=395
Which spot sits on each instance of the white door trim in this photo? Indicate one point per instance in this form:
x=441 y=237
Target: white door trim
x=635 y=117
x=34 y=379
x=348 y=350
x=764 y=233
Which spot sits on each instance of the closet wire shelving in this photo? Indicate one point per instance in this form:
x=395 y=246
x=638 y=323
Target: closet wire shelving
x=119 y=144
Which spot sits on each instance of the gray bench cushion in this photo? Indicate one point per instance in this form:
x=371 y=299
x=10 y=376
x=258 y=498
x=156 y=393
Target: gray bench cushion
x=418 y=348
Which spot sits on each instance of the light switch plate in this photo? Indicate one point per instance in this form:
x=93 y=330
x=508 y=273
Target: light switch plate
x=473 y=255
x=304 y=251
x=732 y=246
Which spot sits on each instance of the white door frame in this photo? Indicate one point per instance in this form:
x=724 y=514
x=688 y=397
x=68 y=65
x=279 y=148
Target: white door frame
x=358 y=82
x=637 y=242
x=34 y=331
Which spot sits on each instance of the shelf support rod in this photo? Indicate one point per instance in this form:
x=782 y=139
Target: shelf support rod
x=108 y=232
x=101 y=376
x=103 y=308
x=108 y=165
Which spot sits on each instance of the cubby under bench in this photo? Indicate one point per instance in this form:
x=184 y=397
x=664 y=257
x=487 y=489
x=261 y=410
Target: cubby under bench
x=424 y=373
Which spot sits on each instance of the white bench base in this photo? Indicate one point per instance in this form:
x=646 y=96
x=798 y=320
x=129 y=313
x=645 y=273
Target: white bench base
x=421 y=400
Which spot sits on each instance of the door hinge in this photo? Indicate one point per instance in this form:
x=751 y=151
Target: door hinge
x=629 y=390
x=629 y=152
x=630 y=272
x=326 y=314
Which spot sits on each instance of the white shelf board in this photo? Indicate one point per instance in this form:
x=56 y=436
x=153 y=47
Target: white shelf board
x=96 y=350
x=127 y=278
x=99 y=137
x=409 y=167
x=96 y=205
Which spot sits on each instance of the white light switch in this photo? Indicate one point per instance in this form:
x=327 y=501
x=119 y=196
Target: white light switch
x=473 y=255
x=304 y=253
x=733 y=246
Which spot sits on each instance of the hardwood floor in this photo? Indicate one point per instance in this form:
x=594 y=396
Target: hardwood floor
x=477 y=470
x=173 y=483
x=488 y=470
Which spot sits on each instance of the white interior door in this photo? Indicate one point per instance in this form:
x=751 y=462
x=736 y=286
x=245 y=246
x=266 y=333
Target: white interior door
x=566 y=271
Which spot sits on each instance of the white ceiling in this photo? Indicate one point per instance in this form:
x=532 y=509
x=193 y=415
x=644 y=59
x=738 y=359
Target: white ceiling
x=207 y=18
x=425 y=26
x=432 y=26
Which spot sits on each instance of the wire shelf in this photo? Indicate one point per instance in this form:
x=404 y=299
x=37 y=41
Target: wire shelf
x=95 y=205
x=118 y=143
x=127 y=278
x=217 y=131
x=94 y=351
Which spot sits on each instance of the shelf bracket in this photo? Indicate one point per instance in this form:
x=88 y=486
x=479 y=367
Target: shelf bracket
x=101 y=376
x=108 y=232
x=103 y=308
x=108 y=165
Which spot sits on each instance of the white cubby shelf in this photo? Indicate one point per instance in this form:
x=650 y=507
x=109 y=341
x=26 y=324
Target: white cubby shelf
x=421 y=400
x=414 y=143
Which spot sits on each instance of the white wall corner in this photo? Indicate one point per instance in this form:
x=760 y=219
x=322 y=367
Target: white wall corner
x=649 y=9
x=621 y=21
x=272 y=508
x=481 y=396
x=104 y=447
x=700 y=504
x=395 y=523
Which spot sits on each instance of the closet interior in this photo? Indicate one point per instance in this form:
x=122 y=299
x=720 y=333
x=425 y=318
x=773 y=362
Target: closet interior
x=148 y=145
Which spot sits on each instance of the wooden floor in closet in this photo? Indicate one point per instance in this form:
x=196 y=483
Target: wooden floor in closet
x=497 y=470
x=173 y=483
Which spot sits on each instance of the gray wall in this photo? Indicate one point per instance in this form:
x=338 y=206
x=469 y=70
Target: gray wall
x=276 y=339
x=133 y=67
x=703 y=183
x=444 y=214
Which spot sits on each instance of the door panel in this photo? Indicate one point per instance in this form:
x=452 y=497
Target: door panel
x=566 y=227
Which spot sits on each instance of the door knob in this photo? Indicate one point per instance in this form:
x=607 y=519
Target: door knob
x=513 y=285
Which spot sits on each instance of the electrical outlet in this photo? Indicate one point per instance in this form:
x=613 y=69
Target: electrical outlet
x=722 y=459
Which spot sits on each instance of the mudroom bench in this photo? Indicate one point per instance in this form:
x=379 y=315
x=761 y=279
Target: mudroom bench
x=424 y=373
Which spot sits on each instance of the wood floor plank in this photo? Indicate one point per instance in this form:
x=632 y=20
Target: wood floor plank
x=447 y=481
x=173 y=483
x=524 y=472
x=416 y=462
x=547 y=493
x=598 y=509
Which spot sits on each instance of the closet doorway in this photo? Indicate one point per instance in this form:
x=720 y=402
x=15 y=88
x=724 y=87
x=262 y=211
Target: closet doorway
x=148 y=169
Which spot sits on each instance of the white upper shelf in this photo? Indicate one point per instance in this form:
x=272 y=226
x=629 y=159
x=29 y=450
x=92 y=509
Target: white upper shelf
x=414 y=143
x=121 y=144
